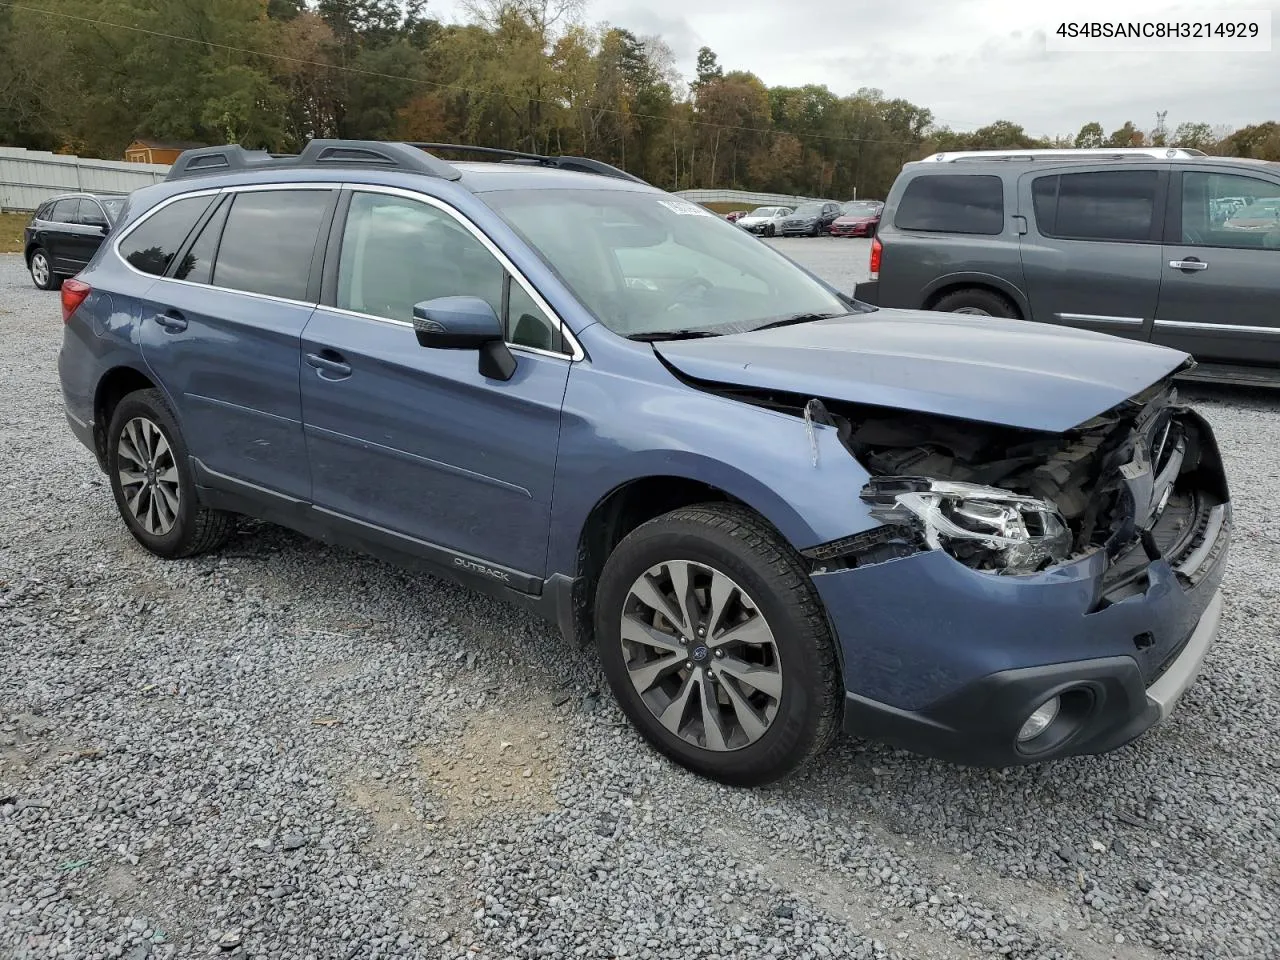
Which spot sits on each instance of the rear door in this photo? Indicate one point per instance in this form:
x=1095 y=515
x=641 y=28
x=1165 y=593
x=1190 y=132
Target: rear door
x=60 y=236
x=1220 y=299
x=1091 y=256
x=222 y=327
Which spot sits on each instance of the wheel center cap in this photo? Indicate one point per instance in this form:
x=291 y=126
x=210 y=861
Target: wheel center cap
x=700 y=653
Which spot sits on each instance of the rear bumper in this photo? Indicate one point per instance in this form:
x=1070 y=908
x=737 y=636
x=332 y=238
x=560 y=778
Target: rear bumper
x=868 y=291
x=978 y=724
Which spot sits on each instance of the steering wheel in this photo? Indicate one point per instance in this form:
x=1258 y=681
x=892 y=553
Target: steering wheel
x=686 y=288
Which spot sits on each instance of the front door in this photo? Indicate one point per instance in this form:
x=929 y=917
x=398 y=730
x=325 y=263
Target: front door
x=1220 y=299
x=1091 y=253
x=414 y=442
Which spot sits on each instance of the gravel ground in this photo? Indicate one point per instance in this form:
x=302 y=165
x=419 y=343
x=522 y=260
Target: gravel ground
x=286 y=750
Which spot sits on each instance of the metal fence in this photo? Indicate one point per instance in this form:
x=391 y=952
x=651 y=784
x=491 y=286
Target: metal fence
x=29 y=177
x=745 y=197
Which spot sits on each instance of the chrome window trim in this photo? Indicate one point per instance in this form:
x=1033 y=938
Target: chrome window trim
x=575 y=352
x=1216 y=327
x=1099 y=318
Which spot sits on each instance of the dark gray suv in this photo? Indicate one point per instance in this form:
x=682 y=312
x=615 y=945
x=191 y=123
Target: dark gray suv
x=1164 y=245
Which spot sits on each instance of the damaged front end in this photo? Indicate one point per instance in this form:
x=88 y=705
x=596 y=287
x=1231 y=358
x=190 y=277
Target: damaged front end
x=1140 y=482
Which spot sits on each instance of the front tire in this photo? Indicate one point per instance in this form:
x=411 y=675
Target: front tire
x=770 y=230
x=154 y=487
x=41 y=268
x=716 y=645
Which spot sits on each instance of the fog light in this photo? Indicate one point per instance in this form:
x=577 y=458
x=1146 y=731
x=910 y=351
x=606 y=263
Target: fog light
x=1039 y=721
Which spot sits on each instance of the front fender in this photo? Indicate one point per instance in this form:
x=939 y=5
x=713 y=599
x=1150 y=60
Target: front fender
x=621 y=427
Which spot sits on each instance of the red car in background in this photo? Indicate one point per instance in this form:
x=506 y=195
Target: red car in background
x=858 y=218
x=736 y=215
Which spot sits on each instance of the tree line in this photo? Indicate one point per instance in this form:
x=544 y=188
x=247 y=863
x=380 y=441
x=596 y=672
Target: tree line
x=90 y=76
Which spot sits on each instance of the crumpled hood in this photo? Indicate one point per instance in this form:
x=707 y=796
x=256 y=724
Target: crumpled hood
x=1011 y=372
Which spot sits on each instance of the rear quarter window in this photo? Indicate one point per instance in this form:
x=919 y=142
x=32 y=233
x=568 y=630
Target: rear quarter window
x=152 y=245
x=952 y=203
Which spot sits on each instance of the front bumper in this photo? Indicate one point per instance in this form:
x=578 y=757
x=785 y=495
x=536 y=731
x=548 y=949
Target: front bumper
x=799 y=229
x=978 y=724
x=949 y=662
x=852 y=230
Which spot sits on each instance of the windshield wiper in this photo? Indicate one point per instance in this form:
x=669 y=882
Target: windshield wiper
x=794 y=319
x=655 y=336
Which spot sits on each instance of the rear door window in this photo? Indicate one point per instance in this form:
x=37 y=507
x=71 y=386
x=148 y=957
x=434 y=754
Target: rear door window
x=152 y=245
x=952 y=203
x=1104 y=205
x=268 y=241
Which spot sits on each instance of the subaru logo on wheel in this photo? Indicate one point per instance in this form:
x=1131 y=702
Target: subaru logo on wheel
x=700 y=653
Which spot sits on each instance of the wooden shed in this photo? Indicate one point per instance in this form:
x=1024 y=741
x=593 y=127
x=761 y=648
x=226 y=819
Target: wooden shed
x=156 y=151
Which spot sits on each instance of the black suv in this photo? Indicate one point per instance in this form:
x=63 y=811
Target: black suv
x=65 y=233
x=1164 y=245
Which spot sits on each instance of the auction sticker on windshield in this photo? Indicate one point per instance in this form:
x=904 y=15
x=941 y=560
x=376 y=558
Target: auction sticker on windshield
x=686 y=208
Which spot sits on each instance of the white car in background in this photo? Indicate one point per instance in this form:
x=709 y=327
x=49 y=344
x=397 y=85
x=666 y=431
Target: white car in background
x=766 y=221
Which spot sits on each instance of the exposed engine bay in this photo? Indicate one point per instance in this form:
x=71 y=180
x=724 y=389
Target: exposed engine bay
x=1140 y=481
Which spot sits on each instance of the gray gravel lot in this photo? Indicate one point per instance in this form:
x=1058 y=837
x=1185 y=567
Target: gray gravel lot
x=287 y=750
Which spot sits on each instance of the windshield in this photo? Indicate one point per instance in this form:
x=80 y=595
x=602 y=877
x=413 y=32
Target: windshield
x=808 y=209
x=113 y=205
x=646 y=263
x=763 y=211
x=859 y=208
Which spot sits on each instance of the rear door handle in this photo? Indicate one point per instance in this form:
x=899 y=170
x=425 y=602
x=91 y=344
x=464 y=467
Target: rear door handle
x=331 y=368
x=172 y=321
x=1191 y=263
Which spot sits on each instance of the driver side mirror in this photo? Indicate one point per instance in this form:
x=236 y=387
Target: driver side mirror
x=465 y=323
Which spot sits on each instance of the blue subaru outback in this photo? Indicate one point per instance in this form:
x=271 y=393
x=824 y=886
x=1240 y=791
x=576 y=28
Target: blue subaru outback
x=774 y=510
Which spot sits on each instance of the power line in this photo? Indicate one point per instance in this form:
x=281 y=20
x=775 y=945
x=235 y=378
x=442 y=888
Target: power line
x=431 y=83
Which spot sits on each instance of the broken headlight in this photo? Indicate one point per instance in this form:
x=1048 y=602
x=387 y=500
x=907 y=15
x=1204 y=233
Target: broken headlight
x=984 y=527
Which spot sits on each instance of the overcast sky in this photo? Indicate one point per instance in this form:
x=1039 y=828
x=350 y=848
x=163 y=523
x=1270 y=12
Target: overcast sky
x=969 y=61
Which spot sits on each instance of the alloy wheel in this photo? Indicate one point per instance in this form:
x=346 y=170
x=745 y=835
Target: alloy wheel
x=701 y=655
x=40 y=269
x=148 y=476
x=972 y=311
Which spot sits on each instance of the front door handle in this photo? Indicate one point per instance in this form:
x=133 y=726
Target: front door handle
x=1189 y=264
x=172 y=321
x=331 y=368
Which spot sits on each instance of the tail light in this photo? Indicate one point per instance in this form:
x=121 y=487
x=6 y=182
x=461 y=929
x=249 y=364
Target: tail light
x=877 y=250
x=73 y=294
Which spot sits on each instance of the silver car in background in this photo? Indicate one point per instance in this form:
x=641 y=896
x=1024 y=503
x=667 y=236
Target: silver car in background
x=765 y=221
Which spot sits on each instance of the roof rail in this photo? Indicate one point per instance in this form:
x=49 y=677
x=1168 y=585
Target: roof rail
x=580 y=164
x=207 y=161
x=407 y=157
x=1068 y=153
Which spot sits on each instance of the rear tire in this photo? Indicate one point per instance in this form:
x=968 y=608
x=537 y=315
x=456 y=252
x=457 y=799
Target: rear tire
x=41 y=269
x=758 y=692
x=151 y=478
x=979 y=302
